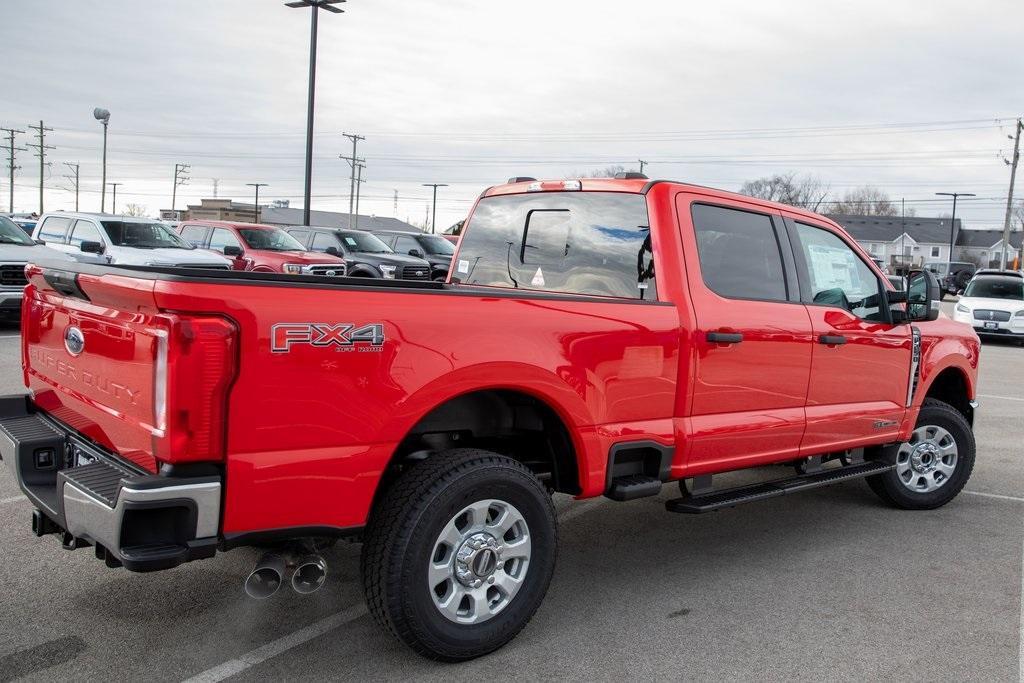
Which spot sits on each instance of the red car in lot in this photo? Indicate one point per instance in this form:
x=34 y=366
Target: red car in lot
x=259 y=248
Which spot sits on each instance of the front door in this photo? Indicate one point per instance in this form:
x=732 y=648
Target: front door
x=860 y=366
x=752 y=337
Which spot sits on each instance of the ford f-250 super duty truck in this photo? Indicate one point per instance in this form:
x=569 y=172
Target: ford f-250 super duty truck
x=595 y=337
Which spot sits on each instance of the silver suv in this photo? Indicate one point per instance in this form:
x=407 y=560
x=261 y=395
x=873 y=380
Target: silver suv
x=16 y=250
x=121 y=240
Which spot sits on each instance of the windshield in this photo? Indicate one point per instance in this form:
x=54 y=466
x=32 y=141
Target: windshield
x=362 y=242
x=437 y=246
x=996 y=288
x=141 y=235
x=270 y=239
x=10 y=233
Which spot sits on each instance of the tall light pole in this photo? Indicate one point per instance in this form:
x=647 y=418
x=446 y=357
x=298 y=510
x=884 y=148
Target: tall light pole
x=256 y=205
x=314 y=6
x=1012 y=163
x=113 y=205
x=103 y=116
x=433 y=217
x=952 y=224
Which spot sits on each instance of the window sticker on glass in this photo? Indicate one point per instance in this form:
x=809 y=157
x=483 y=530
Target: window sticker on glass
x=350 y=241
x=833 y=267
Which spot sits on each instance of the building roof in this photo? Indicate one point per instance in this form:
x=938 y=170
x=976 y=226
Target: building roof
x=333 y=219
x=889 y=228
x=986 y=239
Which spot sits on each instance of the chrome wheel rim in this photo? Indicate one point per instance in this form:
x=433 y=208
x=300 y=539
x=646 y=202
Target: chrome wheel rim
x=479 y=561
x=928 y=460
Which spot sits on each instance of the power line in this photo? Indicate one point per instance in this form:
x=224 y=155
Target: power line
x=41 y=147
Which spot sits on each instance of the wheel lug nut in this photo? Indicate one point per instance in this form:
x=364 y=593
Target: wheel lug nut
x=490 y=580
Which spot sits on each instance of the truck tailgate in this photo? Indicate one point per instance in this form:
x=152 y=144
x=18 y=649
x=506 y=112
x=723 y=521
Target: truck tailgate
x=90 y=359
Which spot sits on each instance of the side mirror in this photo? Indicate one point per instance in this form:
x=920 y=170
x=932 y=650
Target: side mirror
x=90 y=247
x=922 y=296
x=416 y=252
x=333 y=251
x=232 y=251
x=959 y=292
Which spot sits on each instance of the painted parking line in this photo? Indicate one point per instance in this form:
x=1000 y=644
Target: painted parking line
x=1001 y=398
x=998 y=496
x=274 y=648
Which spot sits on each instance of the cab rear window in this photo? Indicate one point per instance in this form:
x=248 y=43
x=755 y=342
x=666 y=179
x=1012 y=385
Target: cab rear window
x=593 y=243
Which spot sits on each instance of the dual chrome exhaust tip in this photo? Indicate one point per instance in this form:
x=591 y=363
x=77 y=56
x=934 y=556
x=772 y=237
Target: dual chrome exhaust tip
x=308 y=575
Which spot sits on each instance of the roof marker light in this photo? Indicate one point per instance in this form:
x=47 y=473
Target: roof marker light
x=549 y=185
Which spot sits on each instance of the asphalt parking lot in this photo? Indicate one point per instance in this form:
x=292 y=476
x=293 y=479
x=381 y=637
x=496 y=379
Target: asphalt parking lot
x=827 y=585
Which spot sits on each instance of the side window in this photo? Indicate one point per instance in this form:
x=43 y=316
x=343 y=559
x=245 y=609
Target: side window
x=301 y=235
x=739 y=253
x=404 y=244
x=591 y=243
x=85 y=231
x=838 y=277
x=54 y=228
x=194 y=234
x=322 y=240
x=222 y=237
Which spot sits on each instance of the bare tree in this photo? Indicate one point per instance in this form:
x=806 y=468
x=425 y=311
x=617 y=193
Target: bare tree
x=867 y=200
x=607 y=172
x=788 y=188
x=137 y=210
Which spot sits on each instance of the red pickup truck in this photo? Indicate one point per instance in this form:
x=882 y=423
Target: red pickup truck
x=595 y=337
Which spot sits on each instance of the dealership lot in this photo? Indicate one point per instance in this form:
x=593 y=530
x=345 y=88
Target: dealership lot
x=829 y=584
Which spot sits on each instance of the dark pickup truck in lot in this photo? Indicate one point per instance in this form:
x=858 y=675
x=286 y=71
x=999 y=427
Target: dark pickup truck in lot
x=595 y=337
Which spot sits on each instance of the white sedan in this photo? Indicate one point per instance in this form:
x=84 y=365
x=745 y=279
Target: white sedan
x=993 y=304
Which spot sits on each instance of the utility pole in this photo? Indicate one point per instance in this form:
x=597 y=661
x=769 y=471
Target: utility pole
x=41 y=147
x=11 y=149
x=113 y=206
x=395 y=209
x=903 y=235
x=952 y=224
x=216 y=182
x=433 y=220
x=352 y=161
x=642 y=164
x=73 y=167
x=1009 y=197
x=360 y=165
x=179 y=179
x=256 y=204
x=103 y=116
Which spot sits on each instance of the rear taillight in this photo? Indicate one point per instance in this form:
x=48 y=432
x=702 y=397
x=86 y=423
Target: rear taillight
x=554 y=186
x=195 y=364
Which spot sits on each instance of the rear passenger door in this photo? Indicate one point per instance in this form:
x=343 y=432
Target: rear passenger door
x=860 y=367
x=54 y=231
x=752 y=342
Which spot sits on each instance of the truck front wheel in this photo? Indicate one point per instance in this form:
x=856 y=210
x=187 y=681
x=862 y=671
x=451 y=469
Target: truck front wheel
x=459 y=553
x=934 y=465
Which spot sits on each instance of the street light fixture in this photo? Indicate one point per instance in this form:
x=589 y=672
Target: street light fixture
x=103 y=116
x=315 y=5
x=433 y=216
x=952 y=224
x=256 y=205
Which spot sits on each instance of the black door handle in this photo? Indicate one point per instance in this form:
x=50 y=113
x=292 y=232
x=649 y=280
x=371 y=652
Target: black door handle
x=831 y=339
x=725 y=337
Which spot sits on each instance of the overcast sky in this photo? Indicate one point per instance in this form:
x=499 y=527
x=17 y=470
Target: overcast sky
x=913 y=96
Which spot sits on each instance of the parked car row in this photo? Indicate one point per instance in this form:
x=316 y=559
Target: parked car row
x=122 y=240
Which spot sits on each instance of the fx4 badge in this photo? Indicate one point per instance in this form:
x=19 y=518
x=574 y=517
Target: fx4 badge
x=341 y=336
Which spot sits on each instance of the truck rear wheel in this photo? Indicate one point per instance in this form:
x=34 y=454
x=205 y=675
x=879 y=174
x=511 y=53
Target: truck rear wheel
x=934 y=465
x=459 y=553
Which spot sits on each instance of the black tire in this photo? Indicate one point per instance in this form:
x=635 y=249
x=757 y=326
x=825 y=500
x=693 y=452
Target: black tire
x=400 y=541
x=891 y=489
